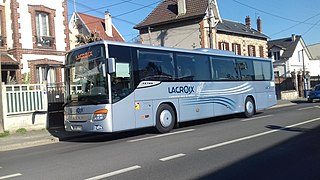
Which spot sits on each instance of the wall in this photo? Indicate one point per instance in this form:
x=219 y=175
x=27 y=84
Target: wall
x=14 y=122
x=244 y=42
x=295 y=63
x=184 y=36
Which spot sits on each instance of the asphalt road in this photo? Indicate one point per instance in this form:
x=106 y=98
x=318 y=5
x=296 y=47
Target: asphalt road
x=281 y=143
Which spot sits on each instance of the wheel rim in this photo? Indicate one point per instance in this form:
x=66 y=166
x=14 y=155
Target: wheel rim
x=165 y=118
x=249 y=107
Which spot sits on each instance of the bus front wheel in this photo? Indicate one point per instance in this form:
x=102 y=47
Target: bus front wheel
x=249 y=107
x=165 y=118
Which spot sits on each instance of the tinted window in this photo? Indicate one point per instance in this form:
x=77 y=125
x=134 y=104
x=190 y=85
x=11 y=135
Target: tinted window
x=155 y=65
x=262 y=70
x=193 y=67
x=246 y=69
x=267 y=70
x=224 y=69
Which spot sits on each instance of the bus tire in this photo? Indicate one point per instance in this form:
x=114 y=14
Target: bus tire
x=249 y=108
x=165 y=118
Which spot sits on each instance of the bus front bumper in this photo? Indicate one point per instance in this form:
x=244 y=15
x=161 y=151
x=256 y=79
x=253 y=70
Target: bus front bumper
x=88 y=126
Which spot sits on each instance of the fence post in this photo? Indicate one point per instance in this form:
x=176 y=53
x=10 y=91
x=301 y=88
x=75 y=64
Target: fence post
x=3 y=104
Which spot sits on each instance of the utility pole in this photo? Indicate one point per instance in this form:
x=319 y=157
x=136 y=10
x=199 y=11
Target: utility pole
x=304 y=76
x=1 y=109
x=210 y=23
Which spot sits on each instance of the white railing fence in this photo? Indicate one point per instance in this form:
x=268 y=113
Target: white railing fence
x=22 y=98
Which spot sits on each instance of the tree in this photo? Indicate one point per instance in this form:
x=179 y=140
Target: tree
x=86 y=39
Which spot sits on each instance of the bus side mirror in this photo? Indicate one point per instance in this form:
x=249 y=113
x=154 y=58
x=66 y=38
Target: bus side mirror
x=111 y=65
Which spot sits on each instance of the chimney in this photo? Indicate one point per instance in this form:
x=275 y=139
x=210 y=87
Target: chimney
x=259 y=24
x=108 y=23
x=293 y=37
x=248 y=21
x=182 y=8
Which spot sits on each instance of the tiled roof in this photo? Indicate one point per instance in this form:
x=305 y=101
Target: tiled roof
x=167 y=12
x=287 y=44
x=98 y=24
x=7 y=60
x=239 y=28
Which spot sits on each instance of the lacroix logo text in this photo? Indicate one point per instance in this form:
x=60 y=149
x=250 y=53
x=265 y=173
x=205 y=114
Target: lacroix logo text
x=181 y=90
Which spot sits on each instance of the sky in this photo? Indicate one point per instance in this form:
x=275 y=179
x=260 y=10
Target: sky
x=280 y=18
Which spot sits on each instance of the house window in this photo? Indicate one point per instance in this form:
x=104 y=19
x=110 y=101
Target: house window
x=223 y=46
x=42 y=27
x=236 y=48
x=251 y=50
x=276 y=55
x=261 y=51
x=44 y=73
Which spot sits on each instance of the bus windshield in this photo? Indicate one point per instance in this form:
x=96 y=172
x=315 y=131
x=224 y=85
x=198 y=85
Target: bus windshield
x=87 y=81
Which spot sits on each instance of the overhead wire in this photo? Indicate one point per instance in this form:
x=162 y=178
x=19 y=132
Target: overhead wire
x=297 y=25
x=117 y=16
x=271 y=14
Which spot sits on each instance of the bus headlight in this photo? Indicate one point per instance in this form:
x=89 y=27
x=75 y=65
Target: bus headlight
x=100 y=115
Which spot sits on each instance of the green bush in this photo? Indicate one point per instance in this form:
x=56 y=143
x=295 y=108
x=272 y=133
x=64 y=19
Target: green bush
x=6 y=133
x=21 y=131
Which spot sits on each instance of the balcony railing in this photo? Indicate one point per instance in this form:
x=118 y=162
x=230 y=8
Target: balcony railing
x=44 y=41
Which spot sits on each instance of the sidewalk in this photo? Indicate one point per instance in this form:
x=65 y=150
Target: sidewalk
x=43 y=137
x=37 y=138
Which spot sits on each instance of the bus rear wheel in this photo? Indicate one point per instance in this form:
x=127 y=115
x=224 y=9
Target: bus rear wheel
x=165 y=118
x=249 y=107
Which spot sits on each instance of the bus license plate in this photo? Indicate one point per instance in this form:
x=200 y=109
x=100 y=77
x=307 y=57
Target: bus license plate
x=77 y=127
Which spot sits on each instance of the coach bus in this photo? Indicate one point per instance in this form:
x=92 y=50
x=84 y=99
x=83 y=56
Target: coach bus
x=113 y=86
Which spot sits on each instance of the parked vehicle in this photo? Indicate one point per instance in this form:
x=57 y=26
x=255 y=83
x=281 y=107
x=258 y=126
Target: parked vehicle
x=314 y=93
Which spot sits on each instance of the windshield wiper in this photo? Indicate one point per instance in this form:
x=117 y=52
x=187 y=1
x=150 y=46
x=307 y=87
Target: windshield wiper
x=68 y=102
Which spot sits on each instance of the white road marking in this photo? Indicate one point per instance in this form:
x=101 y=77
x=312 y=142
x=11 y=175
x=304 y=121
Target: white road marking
x=161 y=135
x=255 y=135
x=0 y=167
x=172 y=157
x=10 y=176
x=250 y=119
x=301 y=109
x=115 y=173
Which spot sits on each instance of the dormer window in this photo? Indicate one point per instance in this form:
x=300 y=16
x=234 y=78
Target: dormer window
x=276 y=55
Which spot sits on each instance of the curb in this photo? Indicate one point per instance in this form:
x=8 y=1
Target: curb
x=28 y=144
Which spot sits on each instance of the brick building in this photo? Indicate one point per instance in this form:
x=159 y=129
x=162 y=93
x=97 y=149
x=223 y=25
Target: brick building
x=34 y=38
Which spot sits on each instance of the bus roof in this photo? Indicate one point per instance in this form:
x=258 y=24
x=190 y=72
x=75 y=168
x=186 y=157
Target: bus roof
x=206 y=51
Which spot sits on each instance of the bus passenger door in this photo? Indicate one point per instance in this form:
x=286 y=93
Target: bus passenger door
x=144 y=114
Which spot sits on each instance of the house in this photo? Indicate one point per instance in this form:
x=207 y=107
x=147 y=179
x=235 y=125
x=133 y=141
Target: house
x=290 y=55
x=34 y=38
x=185 y=24
x=85 y=24
x=314 y=50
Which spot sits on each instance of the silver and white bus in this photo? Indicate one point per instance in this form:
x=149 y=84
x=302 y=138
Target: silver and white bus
x=112 y=86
